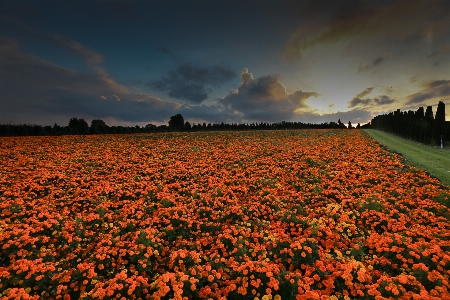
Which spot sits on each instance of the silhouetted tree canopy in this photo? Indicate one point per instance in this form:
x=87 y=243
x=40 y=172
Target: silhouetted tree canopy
x=439 y=124
x=420 y=125
x=429 y=114
x=176 y=122
x=78 y=126
x=98 y=126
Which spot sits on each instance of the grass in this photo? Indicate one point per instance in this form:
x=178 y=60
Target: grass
x=432 y=159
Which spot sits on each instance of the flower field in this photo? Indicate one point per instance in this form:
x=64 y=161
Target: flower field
x=305 y=214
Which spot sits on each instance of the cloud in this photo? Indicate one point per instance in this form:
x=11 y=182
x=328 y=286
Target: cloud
x=88 y=55
x=359 y=101
x=35 y=90
x=246 y=77
x=364 y=67
x=127 y=108
x=92 y=58
x=26 y=72
x=214 y=113
x=332 y=21
x=365 y=92
x=382 y=100
x=435 y=89
x=444 y=50
x=32 y=86
x=265 y=98
x=192 y=83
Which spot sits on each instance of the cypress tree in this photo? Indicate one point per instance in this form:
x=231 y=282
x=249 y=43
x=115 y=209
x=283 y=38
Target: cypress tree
x=439 y=123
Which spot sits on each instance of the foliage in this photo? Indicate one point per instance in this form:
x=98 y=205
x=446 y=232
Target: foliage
x=420 y=125
x=100 y=127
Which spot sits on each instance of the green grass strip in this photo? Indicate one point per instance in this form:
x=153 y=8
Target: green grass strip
x=432 y=159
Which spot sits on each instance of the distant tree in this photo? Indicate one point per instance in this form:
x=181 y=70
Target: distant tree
x=57 y=130
x=73 y=125
x=429 y=114
x=176 y=122
x=150 y=127
x=428 y=131
x=78 y=126
x=439 y=124
x=340 y=124
x=350 y=125
x=358 y=126
x=418 y=119
x=162 y=128
x=410 y=125
x=187 y=125
x=98 y=126
x=420 y=113
x=136 y=129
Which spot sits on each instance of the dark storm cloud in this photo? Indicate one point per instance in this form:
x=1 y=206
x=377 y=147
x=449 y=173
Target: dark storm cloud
x=192 y=83
x=435 y=89
x=382 y=100
x=265 y=98
x=214 y=113
x=359 y=101
x=32 y=87
x=331 y=21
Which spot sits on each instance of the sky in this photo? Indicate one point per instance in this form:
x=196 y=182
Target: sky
x=140 y=62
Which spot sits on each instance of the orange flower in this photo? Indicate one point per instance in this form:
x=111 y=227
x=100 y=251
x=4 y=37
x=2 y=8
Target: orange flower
x=151 y=213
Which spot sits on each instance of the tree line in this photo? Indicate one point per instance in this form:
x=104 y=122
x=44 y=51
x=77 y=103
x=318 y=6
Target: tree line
x=176 y=123
x=420 y=125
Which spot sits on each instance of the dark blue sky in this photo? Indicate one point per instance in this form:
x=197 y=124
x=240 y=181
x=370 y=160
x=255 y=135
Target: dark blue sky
x=140 y=62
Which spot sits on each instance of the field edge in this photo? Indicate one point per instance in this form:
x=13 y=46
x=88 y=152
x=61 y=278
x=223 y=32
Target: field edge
x=434 y=160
